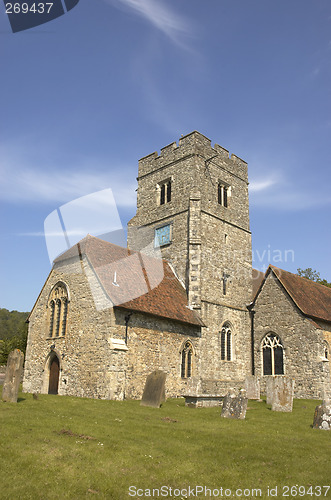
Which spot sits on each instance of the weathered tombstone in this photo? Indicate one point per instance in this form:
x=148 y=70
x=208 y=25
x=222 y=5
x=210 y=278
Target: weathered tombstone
x=13 y=376
x=270 y=389
x=283 y=390
x=252 y=387
x=235 y=406
x=322 y=416
x=154 y=391
x=194 y=385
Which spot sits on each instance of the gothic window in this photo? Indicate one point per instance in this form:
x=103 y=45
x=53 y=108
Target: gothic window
x=226 y=343
x=223 y=194
x=51 y=317
x=164 y=192
x=273 y=355
x=186 y=360
x=58 y=310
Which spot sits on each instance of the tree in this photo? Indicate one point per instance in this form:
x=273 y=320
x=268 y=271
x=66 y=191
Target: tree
x=313 y=275
x=13 y=332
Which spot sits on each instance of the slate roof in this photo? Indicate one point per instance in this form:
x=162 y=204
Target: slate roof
x=134 y=281
x=313 y=299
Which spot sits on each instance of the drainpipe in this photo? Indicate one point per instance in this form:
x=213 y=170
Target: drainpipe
x=252 y=314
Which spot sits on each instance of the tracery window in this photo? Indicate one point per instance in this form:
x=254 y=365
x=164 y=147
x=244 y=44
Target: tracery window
x=226 y=343
x=273 y=355
x=58 y=310
x=186 y=360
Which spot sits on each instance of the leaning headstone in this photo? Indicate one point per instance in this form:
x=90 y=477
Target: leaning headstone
x=154 y=391
x=283 y=391
x=13 y=376
x=322 y=416
x=252 y=387
x=270 y=389
x=235 y=405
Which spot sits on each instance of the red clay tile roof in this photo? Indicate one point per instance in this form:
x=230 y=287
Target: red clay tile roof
x=313 y=299
x=257 y=278
x=134 y=281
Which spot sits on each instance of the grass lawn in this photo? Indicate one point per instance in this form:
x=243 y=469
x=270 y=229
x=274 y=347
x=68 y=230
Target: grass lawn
x=60 y=447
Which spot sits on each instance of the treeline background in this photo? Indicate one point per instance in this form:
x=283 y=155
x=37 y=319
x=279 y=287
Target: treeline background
x=13 y=332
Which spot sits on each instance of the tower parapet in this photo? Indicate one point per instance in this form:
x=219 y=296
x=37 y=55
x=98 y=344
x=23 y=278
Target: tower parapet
x=193 y=143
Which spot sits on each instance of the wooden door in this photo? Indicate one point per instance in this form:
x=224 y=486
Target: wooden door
x=54 y=372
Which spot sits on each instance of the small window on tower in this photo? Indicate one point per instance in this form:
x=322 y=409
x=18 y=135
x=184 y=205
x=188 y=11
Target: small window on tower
x=223 y=194
x=164 y=189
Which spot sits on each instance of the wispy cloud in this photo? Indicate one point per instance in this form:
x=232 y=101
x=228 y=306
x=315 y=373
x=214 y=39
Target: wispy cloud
x=280 y=193
x=158 y=14
x=23 y=180
x=262 y=184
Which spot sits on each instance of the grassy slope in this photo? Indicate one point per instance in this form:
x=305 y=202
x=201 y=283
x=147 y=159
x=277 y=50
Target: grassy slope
x=46 y=450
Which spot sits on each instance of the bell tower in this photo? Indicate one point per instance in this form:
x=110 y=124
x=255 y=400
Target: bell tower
x=192 y=200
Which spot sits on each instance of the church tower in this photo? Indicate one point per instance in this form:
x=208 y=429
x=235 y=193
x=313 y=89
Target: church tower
x=192 y=200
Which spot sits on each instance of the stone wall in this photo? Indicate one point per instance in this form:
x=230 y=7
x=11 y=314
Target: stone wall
x=209 y=241
x=303 y=342
x=89 y=365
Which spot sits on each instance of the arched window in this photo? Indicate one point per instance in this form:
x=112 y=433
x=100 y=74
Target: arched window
x=58 y=310
x=326 y=351
x=226 y=343
x=273 y=356
x=51 y=317
x=186 y=360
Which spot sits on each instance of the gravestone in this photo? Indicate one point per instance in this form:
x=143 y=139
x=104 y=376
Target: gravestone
x=154 y=391
x=13 y=376
x=270 y=389
x=252 y=387
x=322 y=416
x=235 y=405
x=283 y=390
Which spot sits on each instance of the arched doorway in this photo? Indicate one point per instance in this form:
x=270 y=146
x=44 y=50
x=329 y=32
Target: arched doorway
x=54 y=372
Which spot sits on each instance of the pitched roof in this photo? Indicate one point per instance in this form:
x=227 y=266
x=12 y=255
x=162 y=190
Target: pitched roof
x=313 y=299
x=135 y=281
x=257 y=278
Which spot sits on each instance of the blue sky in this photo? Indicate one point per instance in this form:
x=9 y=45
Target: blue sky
x=85 y=96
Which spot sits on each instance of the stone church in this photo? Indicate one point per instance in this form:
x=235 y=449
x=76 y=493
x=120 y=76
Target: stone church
x=182 y=297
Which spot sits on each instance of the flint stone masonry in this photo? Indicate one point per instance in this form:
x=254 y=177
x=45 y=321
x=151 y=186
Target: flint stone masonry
x=276 y=313
x=283 y=390
x=154 y=391
x=235 y=405
x=322 y=416
x=100 y=355
x=13 y=376
x=252 y=387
